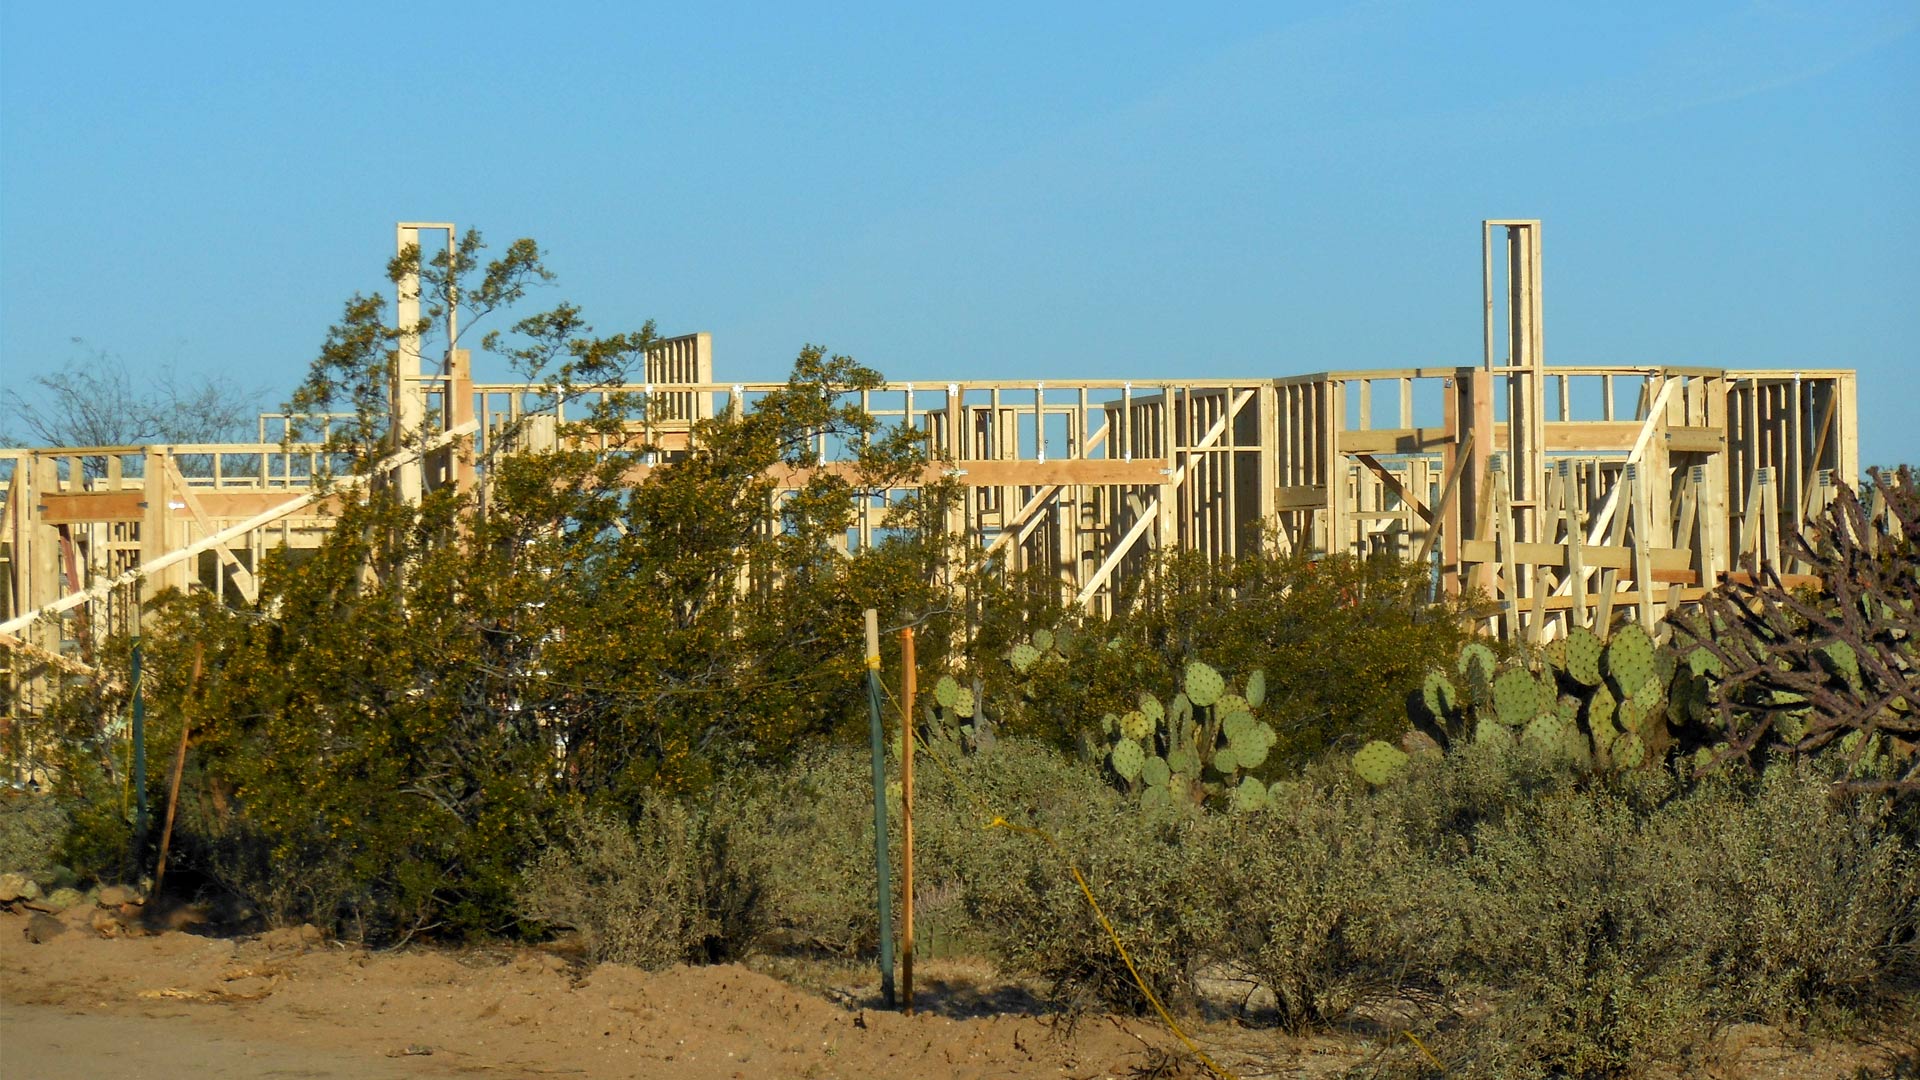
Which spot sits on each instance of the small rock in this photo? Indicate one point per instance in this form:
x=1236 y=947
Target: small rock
x=17 y=887
x=63 y=898
x=106 y=923
x=44 y=928
x=114 y=896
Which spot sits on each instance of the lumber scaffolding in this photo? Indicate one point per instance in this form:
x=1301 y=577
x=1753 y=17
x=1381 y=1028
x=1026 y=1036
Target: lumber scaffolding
x=1571 y=495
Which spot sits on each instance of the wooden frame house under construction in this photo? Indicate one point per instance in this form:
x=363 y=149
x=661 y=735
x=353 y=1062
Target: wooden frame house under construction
x=1572 y=495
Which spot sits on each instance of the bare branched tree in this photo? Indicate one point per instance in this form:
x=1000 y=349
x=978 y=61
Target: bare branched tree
x=94 y=400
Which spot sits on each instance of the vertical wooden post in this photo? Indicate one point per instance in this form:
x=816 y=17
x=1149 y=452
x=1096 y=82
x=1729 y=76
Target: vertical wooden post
x=179 y=767
x=907 y=688
x=139 y=755
x=880 y=859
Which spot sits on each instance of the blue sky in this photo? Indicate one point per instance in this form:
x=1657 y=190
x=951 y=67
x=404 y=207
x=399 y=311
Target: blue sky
x=982 y=190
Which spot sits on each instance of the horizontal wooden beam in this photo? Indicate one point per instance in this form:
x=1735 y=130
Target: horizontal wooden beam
x=1393 y=440
x=1140 y=472
x=1300 y=497
x=1665 y=561
x=80 y=508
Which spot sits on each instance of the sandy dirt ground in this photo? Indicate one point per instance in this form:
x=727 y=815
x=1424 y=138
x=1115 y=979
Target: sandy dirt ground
x=287 y=1004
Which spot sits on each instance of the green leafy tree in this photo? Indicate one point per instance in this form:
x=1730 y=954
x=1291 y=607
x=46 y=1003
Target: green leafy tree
x=387 y=738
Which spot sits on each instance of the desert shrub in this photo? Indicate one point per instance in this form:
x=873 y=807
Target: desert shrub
x=1332 y=902
x=650 y=893
x=1341 y=641
x=1612 y=924
x=1019 y=895
x=803 y=837
x=33 y=830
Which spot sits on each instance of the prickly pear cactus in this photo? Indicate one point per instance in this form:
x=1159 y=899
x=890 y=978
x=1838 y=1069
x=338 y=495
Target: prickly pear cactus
x=1702 y=663
x=1438 y=694
x=963 y=703
x=1225 y=761
x=1476 y=656
x=1155 y=772
x=1135 y=725
x=1043 y=640
x=1150 y=706
x=1840 y=661
x=1128 y=759
x=1629 y=751
x=1378 y=763
x=1544 y=731
x=1203 y=684
x=1583 y=656
x=946 y=692
x=1632 y=715
x=1228 y=704
x=1023 y=657
x=1516 y=697
x=1250 y=795
x=1257 y=688
x=1155 y=798
x=1630 y=657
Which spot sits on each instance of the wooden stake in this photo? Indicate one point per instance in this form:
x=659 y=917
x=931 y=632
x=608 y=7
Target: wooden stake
x=877 y=736
x=179 y=766
x=906 y=817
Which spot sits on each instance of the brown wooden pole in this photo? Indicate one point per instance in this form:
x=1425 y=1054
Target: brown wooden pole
x=179 y=767
x=906 y=816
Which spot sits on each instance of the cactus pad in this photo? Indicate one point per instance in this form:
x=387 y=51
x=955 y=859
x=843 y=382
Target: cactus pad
x=1516 y=697
x=1839 y=659
x=1629 y=752
x=1437 y=692
x=1583 y=656
x=1155 y=772
x=1544 y=731
x=963 y=703
x=1476 y=655
x=1702 y=662
x=1632 y=714
x=1155 y=798
x=1257 y=688
x=1183 y=762
x=1630 y=657
x=1023 y=656
x=1128 y=759
x=1135 y=725
x=1251 y=795
x=1556 y=654
x=1043 y=640
x=1225 y=761
x=1600 y=707
x=1236 y=725
x=1487 y=731
x=1203 y=684
x=1251 y=753
x=1151 y=706
x=1228 y=704
x=946 y=691
x=1379 y=762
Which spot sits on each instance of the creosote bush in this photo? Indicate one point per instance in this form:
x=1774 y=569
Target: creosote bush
x=1607 y=924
